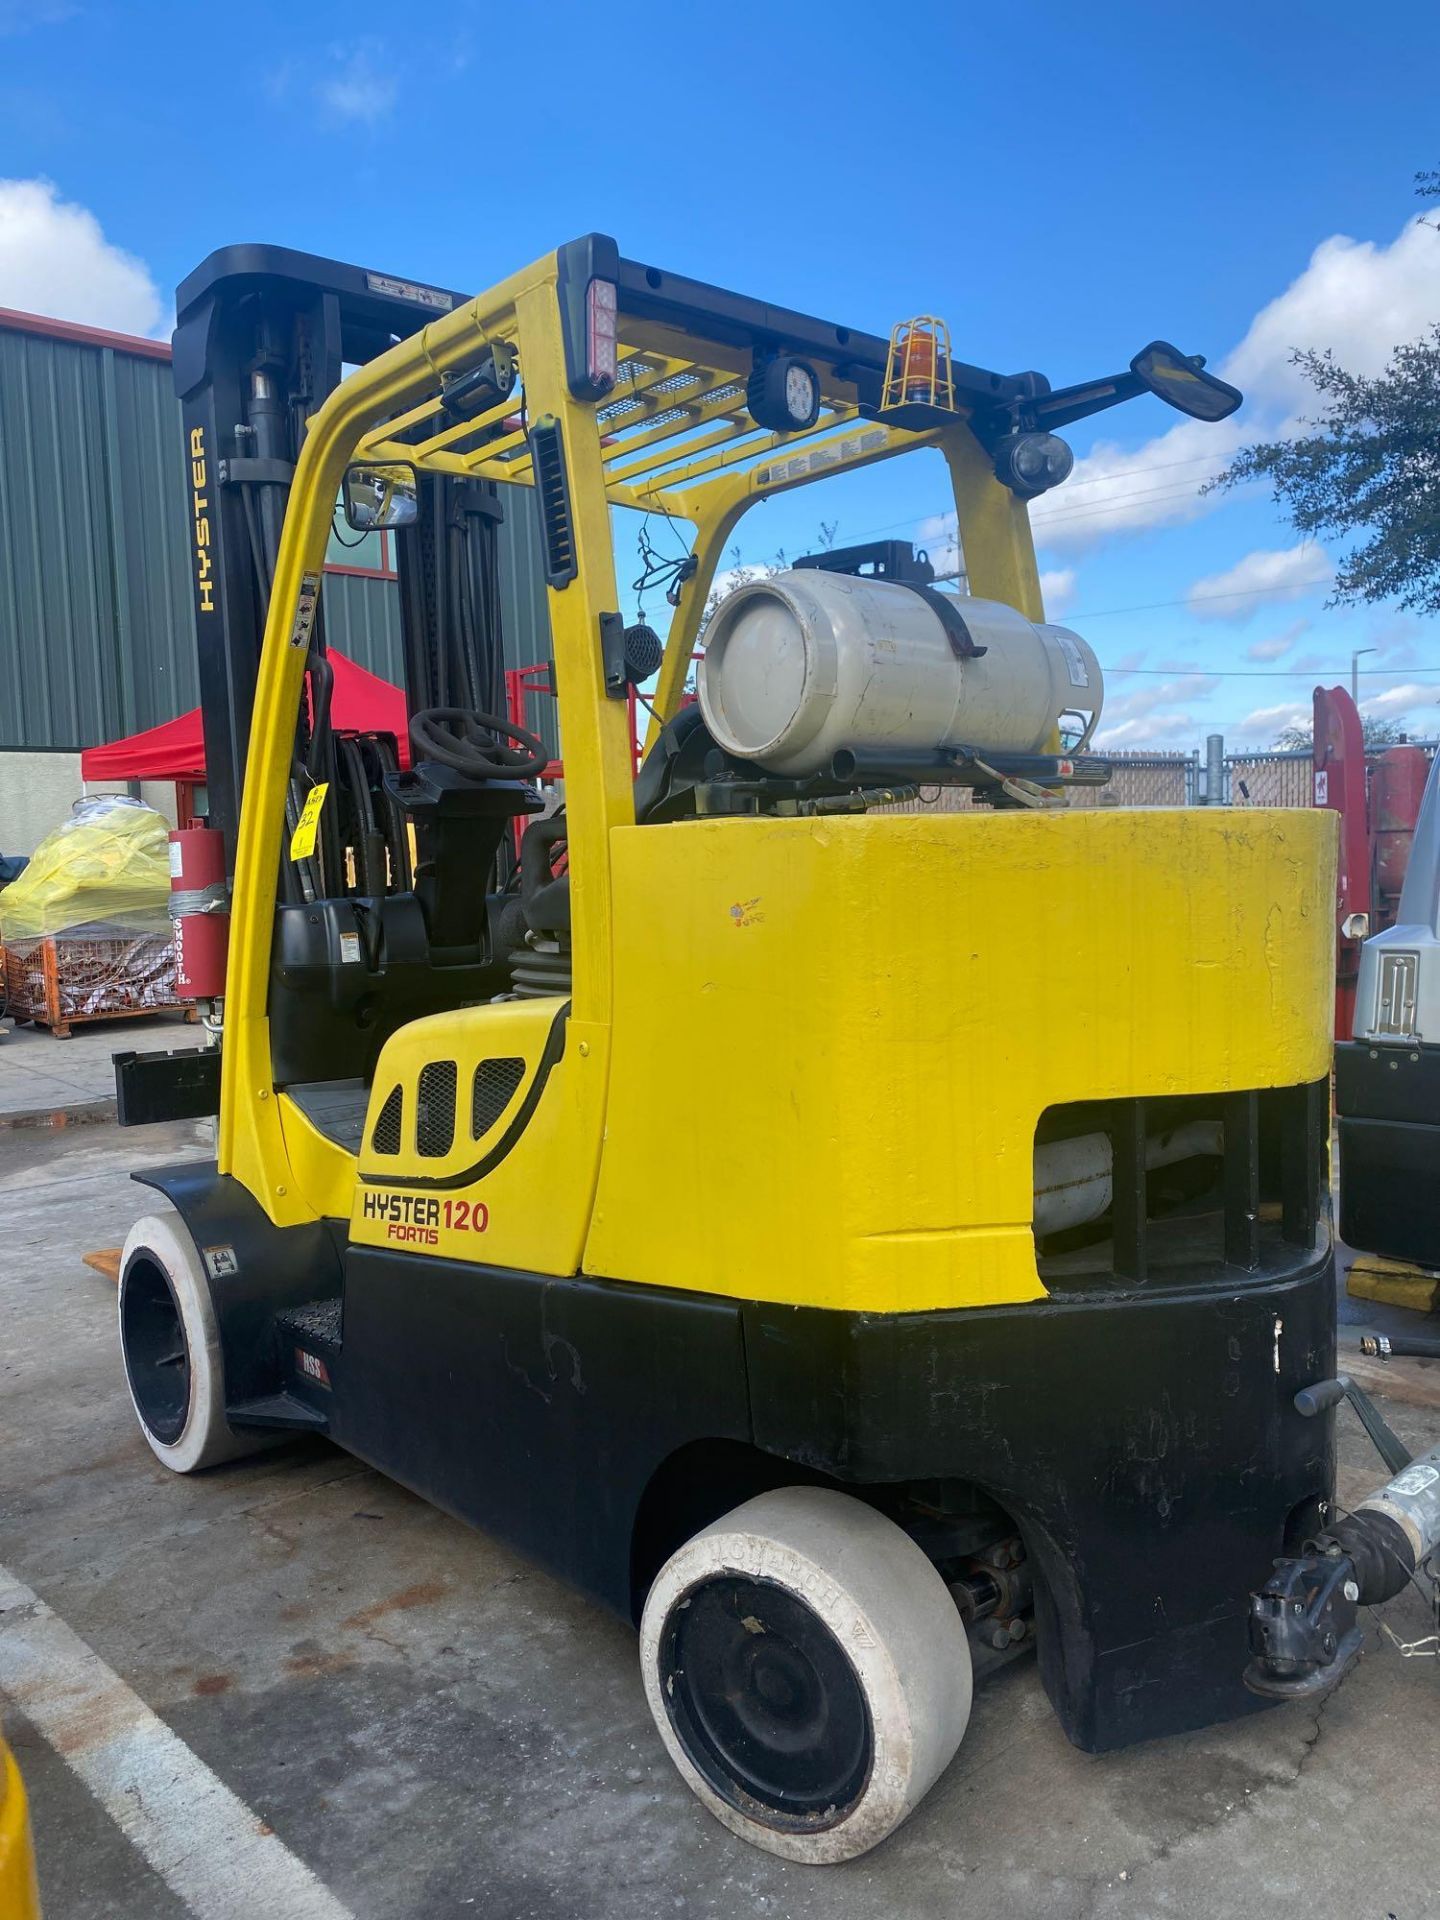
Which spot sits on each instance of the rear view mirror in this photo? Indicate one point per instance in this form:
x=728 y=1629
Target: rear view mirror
x=1181 y=382
x=387 y=495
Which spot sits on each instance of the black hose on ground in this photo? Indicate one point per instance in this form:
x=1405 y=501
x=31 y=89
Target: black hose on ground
x=1399 y=1346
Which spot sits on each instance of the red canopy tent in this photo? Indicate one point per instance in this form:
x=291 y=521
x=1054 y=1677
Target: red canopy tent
x=361 y=703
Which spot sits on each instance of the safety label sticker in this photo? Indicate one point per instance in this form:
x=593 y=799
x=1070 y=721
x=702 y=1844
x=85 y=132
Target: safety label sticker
x=410 y=290
x=1074 y=659
x=1415 y=1480
x=220 y=1262
x=305 y=610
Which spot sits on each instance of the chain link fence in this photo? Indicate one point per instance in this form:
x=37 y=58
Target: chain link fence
x=1269 y=779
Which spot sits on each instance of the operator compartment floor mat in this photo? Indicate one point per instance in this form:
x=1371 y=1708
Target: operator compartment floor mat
x=335 y=1108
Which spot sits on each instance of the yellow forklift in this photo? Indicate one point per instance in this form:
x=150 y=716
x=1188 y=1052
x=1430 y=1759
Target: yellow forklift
x=854 y=1239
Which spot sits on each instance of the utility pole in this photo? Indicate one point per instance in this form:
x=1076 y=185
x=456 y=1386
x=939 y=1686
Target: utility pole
x=1355 y=671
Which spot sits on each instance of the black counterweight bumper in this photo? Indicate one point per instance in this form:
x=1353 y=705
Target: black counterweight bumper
x=1387 y=1104
x=1147 y=1446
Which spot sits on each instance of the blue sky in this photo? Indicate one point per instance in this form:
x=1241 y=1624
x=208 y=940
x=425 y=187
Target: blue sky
x=1062 y=183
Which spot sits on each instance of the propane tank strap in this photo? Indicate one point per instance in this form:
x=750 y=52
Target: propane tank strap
x=214 y=898
x=962 y=641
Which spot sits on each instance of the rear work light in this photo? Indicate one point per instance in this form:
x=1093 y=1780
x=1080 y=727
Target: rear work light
x=601 y=356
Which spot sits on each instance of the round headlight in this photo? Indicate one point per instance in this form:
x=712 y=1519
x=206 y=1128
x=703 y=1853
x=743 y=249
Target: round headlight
x=1031 y=463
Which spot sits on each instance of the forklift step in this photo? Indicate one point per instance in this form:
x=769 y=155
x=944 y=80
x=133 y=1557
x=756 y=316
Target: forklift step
x=277 y=1410
x=335 y=1108
x=314 y=1322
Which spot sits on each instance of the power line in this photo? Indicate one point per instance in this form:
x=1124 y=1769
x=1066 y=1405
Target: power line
x=1158 y=606
x=1188 y=490
x=1129 y=473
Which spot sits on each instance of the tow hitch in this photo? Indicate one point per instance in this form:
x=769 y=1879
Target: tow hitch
x=1304 y=1634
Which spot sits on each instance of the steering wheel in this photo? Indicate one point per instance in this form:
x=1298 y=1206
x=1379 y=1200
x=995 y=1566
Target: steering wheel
x=474 y=744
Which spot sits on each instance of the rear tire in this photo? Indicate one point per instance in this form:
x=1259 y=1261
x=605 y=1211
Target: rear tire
x=170 y=1343
x=808 y=1672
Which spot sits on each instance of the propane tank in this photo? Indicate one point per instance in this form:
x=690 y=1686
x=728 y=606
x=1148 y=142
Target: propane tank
x=1396 y=789
x=199 y=911
x=807 y=665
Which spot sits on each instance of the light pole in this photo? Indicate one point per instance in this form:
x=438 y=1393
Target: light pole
x=1355 y=671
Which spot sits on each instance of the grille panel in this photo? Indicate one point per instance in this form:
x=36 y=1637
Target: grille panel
x=491 y=1091
x=435 y=1109
x=1395 y=995
x=386 y=1137
x=675 y=383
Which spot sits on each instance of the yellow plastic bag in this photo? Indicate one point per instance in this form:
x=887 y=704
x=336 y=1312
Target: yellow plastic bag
x=104 y=870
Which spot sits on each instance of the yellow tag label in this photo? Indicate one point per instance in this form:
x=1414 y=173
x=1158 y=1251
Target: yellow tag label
x=302 y=841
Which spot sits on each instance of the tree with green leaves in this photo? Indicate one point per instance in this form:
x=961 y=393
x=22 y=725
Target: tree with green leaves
x=1366 y=468
x=1378 y=733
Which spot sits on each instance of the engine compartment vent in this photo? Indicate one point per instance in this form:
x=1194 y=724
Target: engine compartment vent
x=386 y=1137
x=491 y=1091
x=1178 y=1189
x=435 y=1109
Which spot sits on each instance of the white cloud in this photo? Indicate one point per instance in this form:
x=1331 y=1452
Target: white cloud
x=1117 y=489
x=1262 y=726
x=1276 y=645
x=1356 y=297
x=55 y=259
x=1360 y=299
x=1057 y=590
x=1267 y=574
x=1397 y=700
x=728 y=579
x=361 y=85
x=1155 y=715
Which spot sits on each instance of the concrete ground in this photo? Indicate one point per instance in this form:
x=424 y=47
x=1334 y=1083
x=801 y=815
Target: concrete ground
x=437 y=1729
x=41 y=1075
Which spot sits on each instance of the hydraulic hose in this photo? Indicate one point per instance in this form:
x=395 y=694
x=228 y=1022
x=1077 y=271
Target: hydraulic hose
x=1399 y=1346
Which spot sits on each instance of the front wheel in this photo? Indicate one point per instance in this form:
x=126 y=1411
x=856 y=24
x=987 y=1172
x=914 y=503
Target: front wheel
x=171 y=1347
x=808 y=1672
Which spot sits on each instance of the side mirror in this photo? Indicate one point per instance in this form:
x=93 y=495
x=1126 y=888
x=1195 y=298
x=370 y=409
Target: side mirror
x=382 y=496
x=1178 y=380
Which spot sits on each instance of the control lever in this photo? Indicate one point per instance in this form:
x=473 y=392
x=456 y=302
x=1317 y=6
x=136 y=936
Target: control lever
x=1329 y=1393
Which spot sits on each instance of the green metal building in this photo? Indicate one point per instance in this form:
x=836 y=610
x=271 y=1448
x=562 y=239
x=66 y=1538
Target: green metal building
x=97 y=627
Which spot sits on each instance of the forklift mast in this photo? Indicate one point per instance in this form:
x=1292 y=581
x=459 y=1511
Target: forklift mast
x=262 y=339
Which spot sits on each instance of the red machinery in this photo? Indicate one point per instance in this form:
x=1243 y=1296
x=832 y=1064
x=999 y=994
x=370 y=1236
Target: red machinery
x=199 y=911
x=1378 y=800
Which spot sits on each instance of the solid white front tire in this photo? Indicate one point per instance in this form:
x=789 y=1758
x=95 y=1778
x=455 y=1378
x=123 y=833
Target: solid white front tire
x=171 y=1348
x=745 y=1642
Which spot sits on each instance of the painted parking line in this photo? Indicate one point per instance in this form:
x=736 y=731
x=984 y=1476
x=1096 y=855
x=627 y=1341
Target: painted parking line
x=202 y=1840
